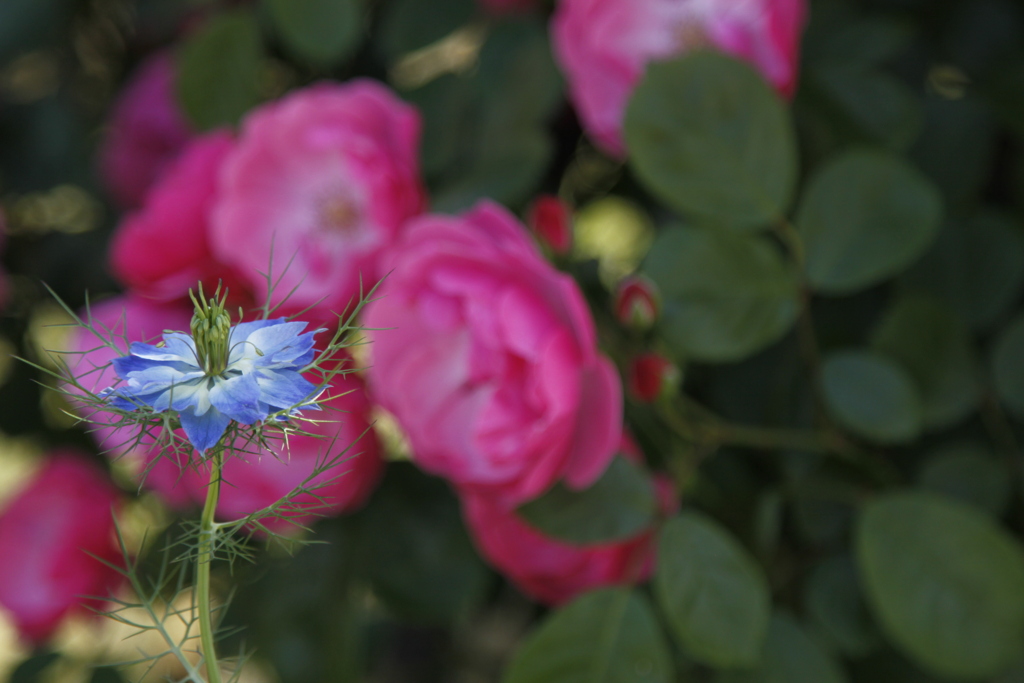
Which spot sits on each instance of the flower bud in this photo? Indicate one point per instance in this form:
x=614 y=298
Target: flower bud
x=651 y=377
x=211 y=330
x=550 y=219
x=637 y=303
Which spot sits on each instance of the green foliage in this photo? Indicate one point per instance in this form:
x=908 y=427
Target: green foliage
x=969 y=473
x=835 y=606
x=714 y=595
x=1008 y=365
x=946 y=584
x=871 y=396
x=976 y=266
x=320 y=32
x=934 y=346
x=619 y=505
x=726 y=295
x=790 y=656
x=219 y=70
x=413 y=537
x=865 y=217
x=709 y=138
x=409 y=25
x=608 y=636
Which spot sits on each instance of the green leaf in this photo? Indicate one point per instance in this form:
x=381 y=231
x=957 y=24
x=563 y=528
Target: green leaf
x=608 y=636
x=865 y=217
x=707 y=136
x=1008 y=365
x=969 y=473
x=872 y=106
x=218 y=70
x=318 y=32
x=957 y=147
x=419 y=559
x=713 y=593
x=945 y=582
x=726 y=295
x=871 y=396
x=790 y=656
x=934 y=346
x=408 y=25
x=976 y=266
x=619 y=505
x=835 y=604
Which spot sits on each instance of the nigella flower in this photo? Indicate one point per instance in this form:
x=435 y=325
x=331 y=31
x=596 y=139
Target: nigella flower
x=220 y=373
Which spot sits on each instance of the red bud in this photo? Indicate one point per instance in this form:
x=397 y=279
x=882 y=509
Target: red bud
x=652 y=376
x=637 y=303
x=551 y=221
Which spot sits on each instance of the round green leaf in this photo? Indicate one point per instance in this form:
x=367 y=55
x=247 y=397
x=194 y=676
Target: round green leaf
x=945 y=582
x=218 y=70
x=976 y=266
x=709 y=137
x=619 y=505
x=1008 y=366
x=871 y=396
x=713 y=593
x=835 y=604
x=726 y=295
x=319 y=32
x=934 y=346
x=790 y=656
x=608 y=636
x=865 y=217
x=969 y=473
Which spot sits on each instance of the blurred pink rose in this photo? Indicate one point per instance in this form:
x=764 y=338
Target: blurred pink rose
x=250 y=485
x=162 y=250
x=254 y=481
x=550 y=218
x=145 y=132
x=604 y=46
x=487 y=357
x=324 y=178
x=125 y=318
x=551 y=570
x=47 y=533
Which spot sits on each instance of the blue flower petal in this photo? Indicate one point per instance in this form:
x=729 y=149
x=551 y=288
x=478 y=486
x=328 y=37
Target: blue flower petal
x=204 y=431
x=178 y=352
x=238 y=398
x=241 y=331
x=285 y=389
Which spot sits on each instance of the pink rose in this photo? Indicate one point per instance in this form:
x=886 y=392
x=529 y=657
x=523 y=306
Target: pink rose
x=254 y=481
x=604 y=46
x=323 y=178
x=551 y=570
x=49 y=534
x=487 y=357
x=162 y=250
x=124 y=319
x=146 y=131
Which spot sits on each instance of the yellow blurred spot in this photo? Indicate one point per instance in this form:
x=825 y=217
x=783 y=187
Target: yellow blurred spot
x=49 y=334
x=7 y=350
x=30 y=77
x=455 y=53
x=20 y=458
x=64 y=208
x=12 y=650
x=948 y=81
x=617 y=233
x=391 y=435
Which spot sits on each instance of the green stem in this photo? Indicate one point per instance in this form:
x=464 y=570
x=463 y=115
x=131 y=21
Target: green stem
x=207 y=537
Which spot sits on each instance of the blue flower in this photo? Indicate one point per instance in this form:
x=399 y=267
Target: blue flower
x=257 y=374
